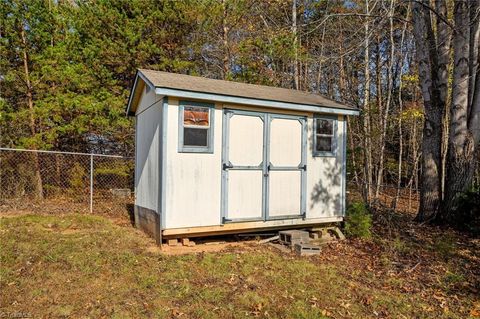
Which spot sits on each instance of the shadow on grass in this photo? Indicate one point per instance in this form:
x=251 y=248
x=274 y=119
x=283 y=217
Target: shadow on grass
x=131 y=213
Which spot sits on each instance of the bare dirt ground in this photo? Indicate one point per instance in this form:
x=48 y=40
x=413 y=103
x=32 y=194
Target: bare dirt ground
x=80 y=265
x=205 y=247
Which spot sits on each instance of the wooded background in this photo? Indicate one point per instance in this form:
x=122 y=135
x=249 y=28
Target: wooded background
x=410 y=66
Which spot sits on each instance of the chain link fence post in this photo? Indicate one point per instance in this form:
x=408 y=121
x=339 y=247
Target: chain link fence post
x=91 y=183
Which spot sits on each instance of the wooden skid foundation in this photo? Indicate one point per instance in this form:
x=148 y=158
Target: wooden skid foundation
x=247 y=227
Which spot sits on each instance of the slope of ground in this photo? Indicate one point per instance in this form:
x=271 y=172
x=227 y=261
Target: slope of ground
x=86 y=266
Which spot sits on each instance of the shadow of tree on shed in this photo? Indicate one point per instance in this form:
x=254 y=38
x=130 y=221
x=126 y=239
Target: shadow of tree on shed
x=324 y=190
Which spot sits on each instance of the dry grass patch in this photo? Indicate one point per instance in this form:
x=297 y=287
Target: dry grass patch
x=87 y=266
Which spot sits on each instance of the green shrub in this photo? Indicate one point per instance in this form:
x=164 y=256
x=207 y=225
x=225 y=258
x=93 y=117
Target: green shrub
x=358 y=221
x=467 y=212
x=78 y=178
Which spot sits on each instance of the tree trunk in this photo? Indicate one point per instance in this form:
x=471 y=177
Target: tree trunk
x=400 y=112
x=366 y=113
x=442 y=57
x=375 y=137
x=320 y=69
x=474 y=85
x=36 y=164
x=350 y=138
x=474 y=46
x=461 y=148
x=226 y=49
x=430 y=192
x=414 y=156
x=388 y=102
x=413 y=182
x=296 y=76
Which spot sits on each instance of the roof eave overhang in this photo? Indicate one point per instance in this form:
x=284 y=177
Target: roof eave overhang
x=132 y=102
x=254 y=102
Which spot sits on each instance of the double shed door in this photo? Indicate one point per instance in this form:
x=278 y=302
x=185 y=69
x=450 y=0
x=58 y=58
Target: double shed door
x=264 y=166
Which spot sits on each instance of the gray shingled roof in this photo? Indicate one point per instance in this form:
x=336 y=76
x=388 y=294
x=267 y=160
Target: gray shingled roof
x=204 y=85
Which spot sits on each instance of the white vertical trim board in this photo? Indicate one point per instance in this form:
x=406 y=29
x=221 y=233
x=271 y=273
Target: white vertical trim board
x=163 y=169
x=344 y=166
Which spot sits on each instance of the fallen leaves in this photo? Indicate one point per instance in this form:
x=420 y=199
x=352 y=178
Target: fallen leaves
x=475 y=311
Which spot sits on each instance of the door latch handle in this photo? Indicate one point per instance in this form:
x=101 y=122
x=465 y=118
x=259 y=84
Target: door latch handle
x=268 y=170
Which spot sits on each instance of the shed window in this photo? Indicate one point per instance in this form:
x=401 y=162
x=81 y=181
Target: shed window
x=324 y=139
x=195 y=127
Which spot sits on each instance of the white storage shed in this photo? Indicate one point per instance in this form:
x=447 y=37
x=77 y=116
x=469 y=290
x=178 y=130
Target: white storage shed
x=215 y=157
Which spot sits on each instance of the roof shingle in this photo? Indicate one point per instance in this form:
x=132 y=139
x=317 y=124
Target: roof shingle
x=161 y=79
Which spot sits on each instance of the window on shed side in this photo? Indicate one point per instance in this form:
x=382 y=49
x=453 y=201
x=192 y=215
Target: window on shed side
x=196 y=123
x=196 y=128
x=325 y=137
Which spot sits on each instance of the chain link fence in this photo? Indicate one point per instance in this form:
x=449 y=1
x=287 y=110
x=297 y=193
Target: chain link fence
x=403 y=199
x=63 y=182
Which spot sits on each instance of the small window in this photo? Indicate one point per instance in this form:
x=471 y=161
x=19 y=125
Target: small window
x=196 y=127
x=324 y=139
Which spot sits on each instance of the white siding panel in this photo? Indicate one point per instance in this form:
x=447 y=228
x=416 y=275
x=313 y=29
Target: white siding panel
x=193 y=181
x=148 y=151
x=324 y=178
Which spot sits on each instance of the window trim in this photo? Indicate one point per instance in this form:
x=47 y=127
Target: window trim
x=196 y=149
x=332 y=153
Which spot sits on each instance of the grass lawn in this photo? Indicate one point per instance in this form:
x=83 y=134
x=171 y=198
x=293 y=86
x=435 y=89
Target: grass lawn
x=84 y=266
